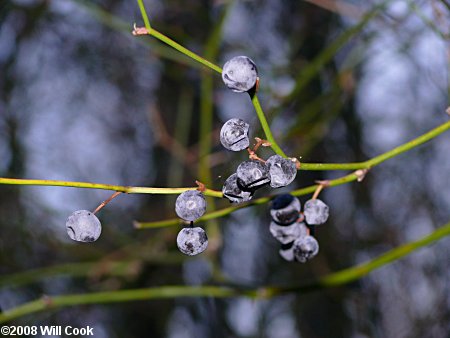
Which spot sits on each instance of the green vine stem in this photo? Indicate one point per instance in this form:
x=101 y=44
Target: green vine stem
x=357 y=175
x=214 y=193
x=380 y=158
x=361 y=167
x=164 y=292
x=121 y=188
x=94 y=270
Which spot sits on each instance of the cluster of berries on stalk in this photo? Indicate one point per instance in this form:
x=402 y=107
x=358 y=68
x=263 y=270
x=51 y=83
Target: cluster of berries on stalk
x=240 y=75
x=295 y=230
x=292 y=228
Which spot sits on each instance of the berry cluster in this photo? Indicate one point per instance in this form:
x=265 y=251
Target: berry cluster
x=292 y=228
x=240 y=75
x=295 y=230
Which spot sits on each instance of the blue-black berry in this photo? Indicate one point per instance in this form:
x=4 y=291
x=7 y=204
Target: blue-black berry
x=190 y=205
x=239 y=74
x=252 y=174
x=192 y=241
x=285 y=209
x=234 y=135
x=316 y=212
x=282 y=171
x=83 y=226
x=305 y=248
x=234 y=192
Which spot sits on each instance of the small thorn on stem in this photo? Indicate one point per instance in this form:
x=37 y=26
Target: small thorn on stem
x=117 y=193
x=257 y=85
x=360 y=174
x=201 y=186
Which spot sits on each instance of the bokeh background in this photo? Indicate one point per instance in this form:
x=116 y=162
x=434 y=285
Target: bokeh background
x=81 y=99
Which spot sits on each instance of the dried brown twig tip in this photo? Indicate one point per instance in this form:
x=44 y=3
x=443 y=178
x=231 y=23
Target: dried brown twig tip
x=117 y=193
x=360 y=174
x=257 y=85
x=139 y=30
x=201 y=186
x=297 y=162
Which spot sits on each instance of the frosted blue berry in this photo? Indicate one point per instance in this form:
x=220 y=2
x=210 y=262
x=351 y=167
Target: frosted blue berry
x=239 y=74
x=316 y=212
x=190 y=205
x=285 y=209
x=305 y=248
x=234 y=192
x=287 y=251
x=234 y=135
x=288 y=233
x=252 y=174
x=83 y=226
x=282 y=171
x=192 y=241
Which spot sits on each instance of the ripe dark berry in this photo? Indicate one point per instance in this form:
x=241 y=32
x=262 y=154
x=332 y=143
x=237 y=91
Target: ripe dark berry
x=83 y=226
x=190 y=205
x=240 y=74
x=305 y=248
x=192 y=241
x=234 y=135
x=288 y=233
x=252 y=174
x=287 y=251
x=316 y=212
x=234 y=192
x=285 y=209
x=282 y=171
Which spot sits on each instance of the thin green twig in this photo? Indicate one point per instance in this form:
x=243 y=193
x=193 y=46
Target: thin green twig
x=265 y=125
x=227 y=211
x=87 y=185
x=317 y=166
x=144 y=14
x=164 y=292
x=214 y=193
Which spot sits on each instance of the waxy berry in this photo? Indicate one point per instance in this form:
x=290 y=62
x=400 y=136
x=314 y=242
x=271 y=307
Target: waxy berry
x=282 y=171
x=287 y=251
x=190 y=205
x=252 y=174
x=285 y=209
x=83 y=226
x=316 y=212
x=234 y=192
x=240 y=74
x=305 y=248
x=288 y=233
x=192 y=241
x=234 y=135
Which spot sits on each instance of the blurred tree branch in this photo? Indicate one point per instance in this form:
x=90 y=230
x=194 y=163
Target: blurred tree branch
x=339 y=278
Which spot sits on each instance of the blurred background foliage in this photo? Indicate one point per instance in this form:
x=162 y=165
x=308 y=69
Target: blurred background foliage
x=341 y=81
